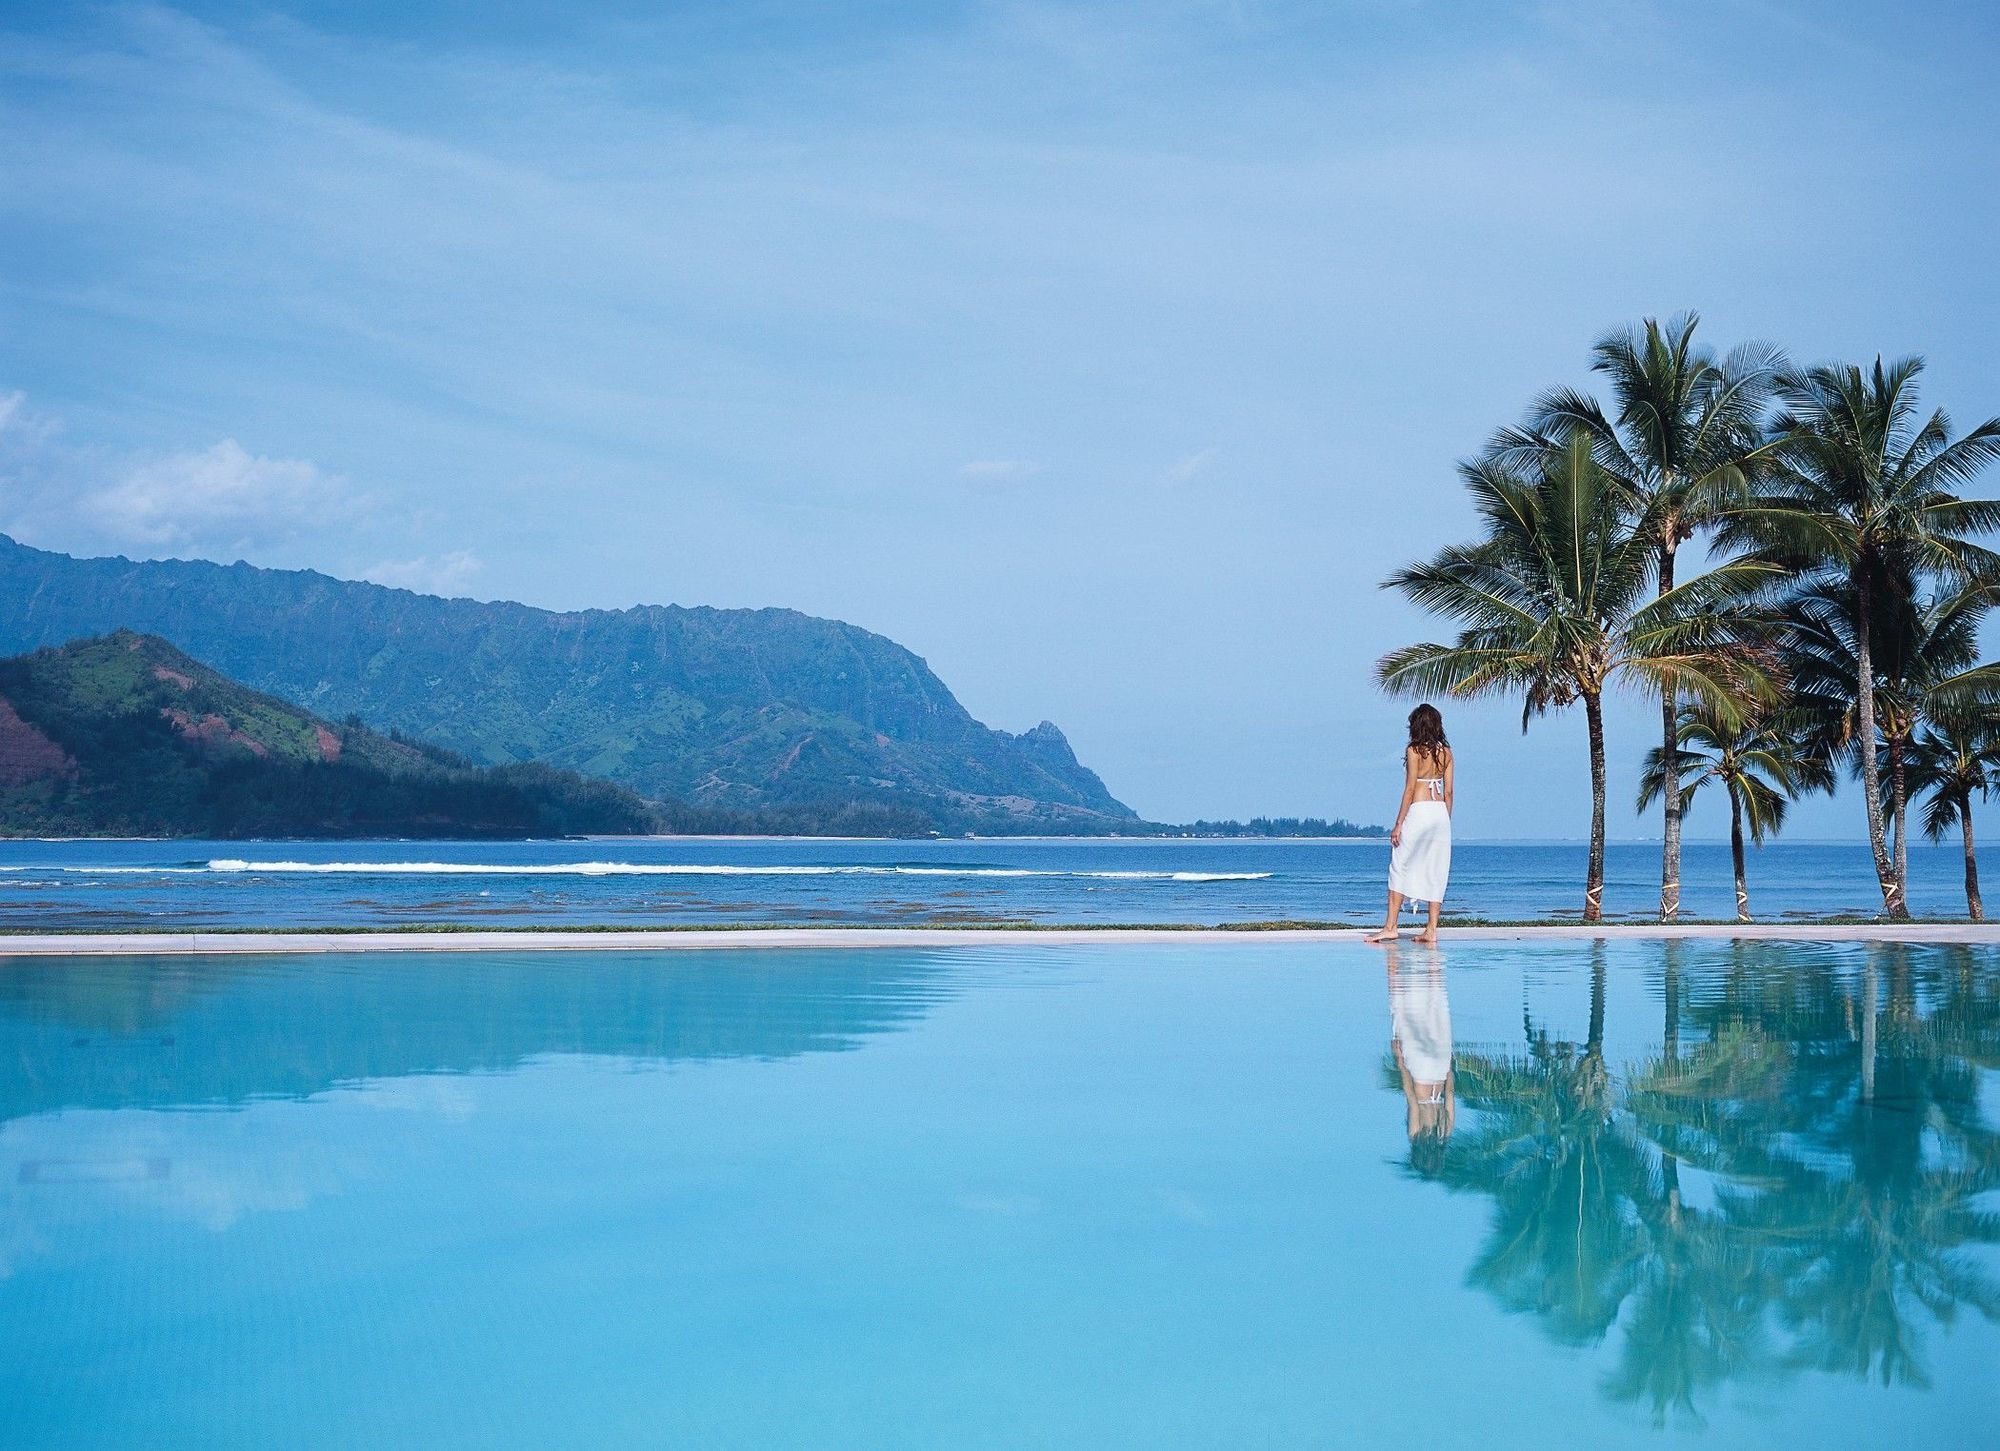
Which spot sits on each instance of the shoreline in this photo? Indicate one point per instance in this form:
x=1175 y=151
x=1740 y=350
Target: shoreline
x=246 y=942
x=973 y=838
x=976 y=839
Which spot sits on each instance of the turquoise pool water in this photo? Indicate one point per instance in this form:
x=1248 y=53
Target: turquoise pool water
x=1100 y=1196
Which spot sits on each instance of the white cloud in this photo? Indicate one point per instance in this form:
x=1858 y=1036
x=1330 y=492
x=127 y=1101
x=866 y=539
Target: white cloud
x=42 y=479
x=220 y=493
x=25 y=435
x=96 y=1174
x=996 y=469
x=434 y=574
x=1005 y=1206
x=1190 y=466
x=222 y=501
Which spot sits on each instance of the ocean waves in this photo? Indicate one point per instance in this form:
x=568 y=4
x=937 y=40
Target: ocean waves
x=672 y=869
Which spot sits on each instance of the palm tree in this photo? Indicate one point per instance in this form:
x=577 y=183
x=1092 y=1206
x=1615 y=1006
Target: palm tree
x=1923 y=654
x=1934 y=673
x=1864 y=496
x=1552 y=601
x=1755 y=758
x=1956 y=758
x=1685 y=433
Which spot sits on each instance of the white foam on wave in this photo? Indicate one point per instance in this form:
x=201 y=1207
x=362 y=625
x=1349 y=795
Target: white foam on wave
x=668 y=869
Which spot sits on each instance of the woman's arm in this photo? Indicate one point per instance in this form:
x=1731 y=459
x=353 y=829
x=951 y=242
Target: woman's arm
x=1410 y=1119
x=1450 y=781
x=1409 y=795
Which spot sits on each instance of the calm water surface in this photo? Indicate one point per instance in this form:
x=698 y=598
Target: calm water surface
x=1255 y=1194
x=663 y=882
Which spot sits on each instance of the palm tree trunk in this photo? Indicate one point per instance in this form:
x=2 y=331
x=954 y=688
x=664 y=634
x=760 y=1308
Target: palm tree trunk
x=1593 y=884
x=1736 y=855
x=1871 y=783
x=1899 y=810
x=1593 y=1041
x=1670 y=996
x=1972 y=903
x=1670 y=838
x=1870 y=990
x=1670 y=1055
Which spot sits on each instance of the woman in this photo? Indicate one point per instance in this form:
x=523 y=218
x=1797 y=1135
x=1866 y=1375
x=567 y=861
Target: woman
x=1420 y=862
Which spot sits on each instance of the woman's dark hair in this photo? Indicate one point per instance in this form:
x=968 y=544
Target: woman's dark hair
x=1428 y=1147
x=1427 y=731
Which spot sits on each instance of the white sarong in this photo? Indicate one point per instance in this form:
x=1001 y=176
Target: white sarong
x=1421 y=866
x=1420 y=1019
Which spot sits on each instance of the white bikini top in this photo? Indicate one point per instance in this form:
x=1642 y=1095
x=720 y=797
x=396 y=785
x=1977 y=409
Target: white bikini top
x=1435 y=784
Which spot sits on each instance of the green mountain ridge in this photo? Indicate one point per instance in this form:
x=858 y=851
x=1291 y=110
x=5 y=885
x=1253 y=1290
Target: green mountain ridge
x=745 y=710
x=125 y=735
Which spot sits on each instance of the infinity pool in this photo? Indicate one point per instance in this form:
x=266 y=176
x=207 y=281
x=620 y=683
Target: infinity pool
x=1506 y=1194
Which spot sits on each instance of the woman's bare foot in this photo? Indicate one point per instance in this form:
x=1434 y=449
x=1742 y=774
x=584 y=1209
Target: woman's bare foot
x=1428 y=937
x=1382 y=934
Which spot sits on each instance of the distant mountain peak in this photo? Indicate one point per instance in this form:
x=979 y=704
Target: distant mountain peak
x=1050 y=746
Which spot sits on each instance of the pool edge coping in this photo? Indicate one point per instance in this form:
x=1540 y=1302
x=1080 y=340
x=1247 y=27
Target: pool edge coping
x=192 y=944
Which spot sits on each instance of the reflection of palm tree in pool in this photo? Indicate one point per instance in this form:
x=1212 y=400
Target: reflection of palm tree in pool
x=1883 y=1166
x=1562 y=1172
x=1696 y=1315
x=1844 y=1150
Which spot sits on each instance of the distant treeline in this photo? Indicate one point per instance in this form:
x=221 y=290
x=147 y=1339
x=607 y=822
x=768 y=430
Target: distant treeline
x=829 y=818
x=924 y=818
x=1281 y=826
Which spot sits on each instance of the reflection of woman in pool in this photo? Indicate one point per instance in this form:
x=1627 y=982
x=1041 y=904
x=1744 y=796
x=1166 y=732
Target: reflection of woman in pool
x=1420 y=1041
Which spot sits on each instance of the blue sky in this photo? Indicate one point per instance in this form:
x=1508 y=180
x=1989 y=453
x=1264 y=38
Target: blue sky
x=1107 y=356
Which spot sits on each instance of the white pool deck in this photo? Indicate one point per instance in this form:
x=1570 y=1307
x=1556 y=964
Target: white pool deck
x=178 y=944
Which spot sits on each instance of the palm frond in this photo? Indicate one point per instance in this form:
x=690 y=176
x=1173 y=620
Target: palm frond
x=1693 y=771
x=1465 y=670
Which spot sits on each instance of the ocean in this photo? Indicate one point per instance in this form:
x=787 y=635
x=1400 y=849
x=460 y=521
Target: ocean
x=114 y=885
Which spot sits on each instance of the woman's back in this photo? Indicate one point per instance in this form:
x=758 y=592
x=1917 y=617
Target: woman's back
x=1431 y=766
